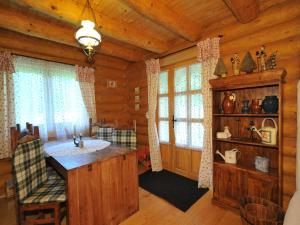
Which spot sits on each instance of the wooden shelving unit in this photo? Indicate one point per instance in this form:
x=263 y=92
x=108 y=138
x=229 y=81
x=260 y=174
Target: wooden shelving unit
x=233 y=181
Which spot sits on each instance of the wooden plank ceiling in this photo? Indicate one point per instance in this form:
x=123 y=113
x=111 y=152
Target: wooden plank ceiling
x=131 y=29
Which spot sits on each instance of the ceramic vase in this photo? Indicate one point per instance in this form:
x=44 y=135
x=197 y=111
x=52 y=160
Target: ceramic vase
x=256 y=106
x=228 y=104
x=270 y=104
x=246 y=108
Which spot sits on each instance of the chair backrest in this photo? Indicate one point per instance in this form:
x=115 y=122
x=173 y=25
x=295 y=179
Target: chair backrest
x=105 y=133
x=125 y=138
x=29 y=164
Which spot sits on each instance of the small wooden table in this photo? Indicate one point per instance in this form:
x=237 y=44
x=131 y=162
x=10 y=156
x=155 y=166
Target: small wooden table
x=101 y=187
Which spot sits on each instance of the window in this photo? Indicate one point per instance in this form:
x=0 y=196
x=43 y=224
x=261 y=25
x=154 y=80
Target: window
x=48 y=95
x=188 y=107
x=163 y=108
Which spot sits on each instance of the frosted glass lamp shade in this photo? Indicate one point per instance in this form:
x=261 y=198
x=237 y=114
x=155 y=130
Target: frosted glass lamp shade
x=87 y=35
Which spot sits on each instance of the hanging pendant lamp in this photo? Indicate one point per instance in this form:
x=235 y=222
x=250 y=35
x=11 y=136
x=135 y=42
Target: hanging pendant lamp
x=87 y=36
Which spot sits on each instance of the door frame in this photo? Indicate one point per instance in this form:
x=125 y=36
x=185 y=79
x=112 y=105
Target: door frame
x=171 y=154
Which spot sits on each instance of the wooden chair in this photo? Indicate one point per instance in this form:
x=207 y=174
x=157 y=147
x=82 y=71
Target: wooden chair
x=37 y=193
x=125 y=137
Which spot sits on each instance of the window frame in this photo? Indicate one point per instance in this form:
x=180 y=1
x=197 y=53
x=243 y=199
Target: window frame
x=170 y=69
x=188 y=93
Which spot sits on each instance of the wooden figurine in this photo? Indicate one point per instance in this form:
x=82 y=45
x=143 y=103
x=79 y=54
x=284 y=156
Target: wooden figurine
x=248 y=64
x=235 y=60
x=220 y=69
x=261 y=59
x=271 y=62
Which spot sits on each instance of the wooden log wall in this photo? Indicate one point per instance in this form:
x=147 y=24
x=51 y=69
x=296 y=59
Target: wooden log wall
x=279 y=29
x=136 y=75
x=111 y=104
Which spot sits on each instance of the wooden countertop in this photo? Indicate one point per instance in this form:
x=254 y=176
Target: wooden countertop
x=75 y=161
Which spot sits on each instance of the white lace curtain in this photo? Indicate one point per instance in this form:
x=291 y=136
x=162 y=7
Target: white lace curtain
x=86 y=78
x=152 y=70
x=48 y=95
x=7 y=114
x=298 y=141
x=208 y=54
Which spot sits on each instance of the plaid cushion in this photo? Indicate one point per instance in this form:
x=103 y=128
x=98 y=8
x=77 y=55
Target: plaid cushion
x=126 y=138
x=105 y=133
x=51 y=173
x=51 y=191
x=29 y=167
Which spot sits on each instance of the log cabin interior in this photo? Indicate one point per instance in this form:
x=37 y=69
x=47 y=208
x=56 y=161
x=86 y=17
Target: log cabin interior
x=165 y=112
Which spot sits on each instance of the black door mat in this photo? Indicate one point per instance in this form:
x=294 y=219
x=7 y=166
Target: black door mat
x=180 y=191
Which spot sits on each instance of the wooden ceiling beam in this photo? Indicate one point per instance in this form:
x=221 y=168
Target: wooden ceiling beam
x=35 y=25
x=21 y=44
x=244 y=10
x=162 y=14
x=71 y=11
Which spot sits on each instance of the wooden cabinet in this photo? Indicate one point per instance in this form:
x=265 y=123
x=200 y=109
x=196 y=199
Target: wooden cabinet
x=103 y=192
x=233 y=181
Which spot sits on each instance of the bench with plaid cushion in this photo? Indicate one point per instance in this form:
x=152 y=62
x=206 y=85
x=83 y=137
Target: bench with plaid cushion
x=126 y=138
x=105 y=133
x=32 y=183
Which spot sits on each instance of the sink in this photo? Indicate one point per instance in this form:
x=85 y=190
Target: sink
x=67 y=148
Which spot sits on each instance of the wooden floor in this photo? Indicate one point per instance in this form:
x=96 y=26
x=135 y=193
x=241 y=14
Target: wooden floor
x=154 y=210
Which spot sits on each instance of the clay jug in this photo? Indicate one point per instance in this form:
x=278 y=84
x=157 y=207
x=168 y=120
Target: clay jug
x=256 y=106
x=228 y=103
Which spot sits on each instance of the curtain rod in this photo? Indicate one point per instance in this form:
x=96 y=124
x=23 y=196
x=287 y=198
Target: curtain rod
x=48 y=60
x=183 y=49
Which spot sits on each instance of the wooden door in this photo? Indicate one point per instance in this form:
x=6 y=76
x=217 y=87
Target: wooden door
x=180 y=117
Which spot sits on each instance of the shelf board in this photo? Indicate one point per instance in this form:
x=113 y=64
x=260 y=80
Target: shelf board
x=259 y=79
x=245 y=115
x=273 y=173
x=245 y=141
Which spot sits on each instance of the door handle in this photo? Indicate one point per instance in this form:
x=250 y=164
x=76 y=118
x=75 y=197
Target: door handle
x=173 y=121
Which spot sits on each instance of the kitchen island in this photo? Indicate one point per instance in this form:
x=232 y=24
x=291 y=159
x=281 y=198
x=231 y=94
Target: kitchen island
x=101 y=186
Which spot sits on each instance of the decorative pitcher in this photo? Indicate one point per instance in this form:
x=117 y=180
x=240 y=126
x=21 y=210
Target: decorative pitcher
x=228 y=103
x=256 y=106
x=270 y=104
x=245 y=108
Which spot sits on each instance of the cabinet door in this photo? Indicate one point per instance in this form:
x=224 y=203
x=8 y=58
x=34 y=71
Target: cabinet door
x=112 y=190
x=130 y=184
x=226 y=185
x=260 y=187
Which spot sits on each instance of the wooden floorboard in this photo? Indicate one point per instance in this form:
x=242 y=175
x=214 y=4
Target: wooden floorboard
x=154 y=210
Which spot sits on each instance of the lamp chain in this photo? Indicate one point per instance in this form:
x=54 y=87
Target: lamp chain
x=88 y=5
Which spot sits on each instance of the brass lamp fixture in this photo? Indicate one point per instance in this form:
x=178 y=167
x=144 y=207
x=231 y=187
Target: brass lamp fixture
x=87 y=36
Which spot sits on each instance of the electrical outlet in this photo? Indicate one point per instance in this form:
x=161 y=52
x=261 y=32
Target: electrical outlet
x=111 y=83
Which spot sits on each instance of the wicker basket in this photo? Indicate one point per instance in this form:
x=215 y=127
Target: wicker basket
x=259 y=211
